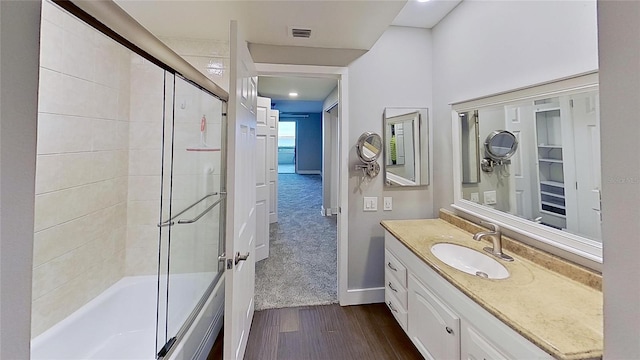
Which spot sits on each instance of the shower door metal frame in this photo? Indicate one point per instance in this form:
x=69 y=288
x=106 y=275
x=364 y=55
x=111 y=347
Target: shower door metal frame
x=169 y=223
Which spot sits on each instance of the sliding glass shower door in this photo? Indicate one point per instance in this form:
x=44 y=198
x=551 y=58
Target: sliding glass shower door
x=193 y=206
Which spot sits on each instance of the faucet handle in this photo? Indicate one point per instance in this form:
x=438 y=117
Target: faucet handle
x=491 y=225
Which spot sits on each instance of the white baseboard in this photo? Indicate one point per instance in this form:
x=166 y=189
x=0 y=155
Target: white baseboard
x=363 y=296
x=309 y=172
x=328 y=211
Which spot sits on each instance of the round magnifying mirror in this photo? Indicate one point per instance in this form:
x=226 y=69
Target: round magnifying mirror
x=501 y=145
x=369 y=146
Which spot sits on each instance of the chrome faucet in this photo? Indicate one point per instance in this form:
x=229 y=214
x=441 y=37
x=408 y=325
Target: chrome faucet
x=496 y=236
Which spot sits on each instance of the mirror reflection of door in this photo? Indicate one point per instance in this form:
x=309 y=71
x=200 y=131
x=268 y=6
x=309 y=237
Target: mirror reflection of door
x=522 y=125
x=400 y=159
x=586 y=136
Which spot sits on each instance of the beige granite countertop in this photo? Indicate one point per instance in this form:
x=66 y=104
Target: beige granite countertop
x=560 y=315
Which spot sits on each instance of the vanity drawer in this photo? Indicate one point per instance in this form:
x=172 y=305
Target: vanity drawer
x=395 y=289
x=395 y=268
x=396 y=309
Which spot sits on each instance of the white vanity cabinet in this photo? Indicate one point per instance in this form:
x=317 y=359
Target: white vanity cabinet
x=441 y=321
x=433 y=327
x=477 y=347
x=395 y=296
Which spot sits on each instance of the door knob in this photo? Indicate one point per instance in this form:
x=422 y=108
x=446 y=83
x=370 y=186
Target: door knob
x=241 y=257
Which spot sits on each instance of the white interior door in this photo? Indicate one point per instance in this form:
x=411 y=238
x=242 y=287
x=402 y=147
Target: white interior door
x=519 y=120
x=586 y=130
x=241 y=198
x=272 y=143
x=263 y=164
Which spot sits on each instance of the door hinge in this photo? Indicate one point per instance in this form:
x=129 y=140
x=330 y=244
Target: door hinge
x=229 y=264
x=571 y=102
x=165 y=349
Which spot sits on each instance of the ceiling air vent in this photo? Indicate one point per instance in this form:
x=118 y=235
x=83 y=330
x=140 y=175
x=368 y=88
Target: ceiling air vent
x=300 y=33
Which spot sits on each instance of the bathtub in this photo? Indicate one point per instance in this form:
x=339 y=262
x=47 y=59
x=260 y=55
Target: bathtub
x=120 y=323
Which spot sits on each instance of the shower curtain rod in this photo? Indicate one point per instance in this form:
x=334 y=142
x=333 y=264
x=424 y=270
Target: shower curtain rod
x=109 y=18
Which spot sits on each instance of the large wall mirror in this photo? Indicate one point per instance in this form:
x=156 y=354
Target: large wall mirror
x=550 y=187
x=406 y=160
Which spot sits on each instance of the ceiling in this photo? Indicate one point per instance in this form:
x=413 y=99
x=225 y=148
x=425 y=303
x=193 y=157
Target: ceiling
x=341 y=30
x=308 y=89
x=424 y=14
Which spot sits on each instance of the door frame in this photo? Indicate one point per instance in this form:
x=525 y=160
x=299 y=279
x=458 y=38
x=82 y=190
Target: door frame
x=341 y=74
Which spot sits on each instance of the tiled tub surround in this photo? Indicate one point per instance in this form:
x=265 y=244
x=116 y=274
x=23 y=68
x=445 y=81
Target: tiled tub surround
x=562 y=316
x=99 y=169
x=81 y=168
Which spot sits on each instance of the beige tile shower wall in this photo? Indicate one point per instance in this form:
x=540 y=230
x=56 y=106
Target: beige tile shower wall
x=81 y=170
x=209 y=56
x=145 y=165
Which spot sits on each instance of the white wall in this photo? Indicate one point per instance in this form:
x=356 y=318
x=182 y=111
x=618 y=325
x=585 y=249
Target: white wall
x=619 y=31
x=309 y=144
x=485 y=47
x=396 y=72
x=19 y=41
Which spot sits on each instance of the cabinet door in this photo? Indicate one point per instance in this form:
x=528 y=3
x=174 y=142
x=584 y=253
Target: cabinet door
x=475 y=347
x=433 y=328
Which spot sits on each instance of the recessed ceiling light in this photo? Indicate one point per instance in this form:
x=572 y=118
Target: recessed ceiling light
x=293 y=94
x=423 y=0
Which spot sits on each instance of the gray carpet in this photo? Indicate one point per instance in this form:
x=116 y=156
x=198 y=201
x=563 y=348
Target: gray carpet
x=302 y=262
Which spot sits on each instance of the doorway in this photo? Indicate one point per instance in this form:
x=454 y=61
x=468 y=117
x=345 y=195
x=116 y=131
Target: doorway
x=339 y=227
x=287 y=146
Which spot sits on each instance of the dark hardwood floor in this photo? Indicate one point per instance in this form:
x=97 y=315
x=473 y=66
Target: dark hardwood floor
x=328 y=332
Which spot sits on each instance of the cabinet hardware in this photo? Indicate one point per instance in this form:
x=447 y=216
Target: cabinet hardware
x=391 y=307
x=391 y=287
x=449 y=330
x=391 y=266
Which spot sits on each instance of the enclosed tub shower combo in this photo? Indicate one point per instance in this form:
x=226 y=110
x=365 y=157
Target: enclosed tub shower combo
x=130 y=202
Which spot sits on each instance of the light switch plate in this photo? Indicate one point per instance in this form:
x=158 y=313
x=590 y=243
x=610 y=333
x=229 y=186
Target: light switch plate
x=388 y=203
x=370 y=203
x=490 y=197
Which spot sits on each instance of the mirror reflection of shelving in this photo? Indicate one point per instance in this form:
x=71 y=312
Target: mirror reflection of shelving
x=550 y=163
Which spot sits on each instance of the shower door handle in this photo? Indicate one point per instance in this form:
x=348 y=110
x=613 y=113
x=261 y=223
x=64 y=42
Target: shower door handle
x=241 y=257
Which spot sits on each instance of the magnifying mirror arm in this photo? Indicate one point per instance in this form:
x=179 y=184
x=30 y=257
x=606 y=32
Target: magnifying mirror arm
x=370 y=169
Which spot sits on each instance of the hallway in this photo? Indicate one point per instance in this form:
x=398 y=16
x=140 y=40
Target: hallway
x=301 y=269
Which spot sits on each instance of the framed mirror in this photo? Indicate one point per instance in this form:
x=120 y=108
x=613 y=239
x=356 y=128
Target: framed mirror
x=406 y=159
x=544 y=142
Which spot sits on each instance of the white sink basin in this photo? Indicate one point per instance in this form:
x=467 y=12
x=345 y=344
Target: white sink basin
x=469 y=261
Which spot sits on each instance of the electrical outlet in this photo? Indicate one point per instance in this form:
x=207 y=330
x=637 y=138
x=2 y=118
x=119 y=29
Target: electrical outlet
x=475 y=197
x=490 y=197
x=370 y=203
x=388 y=203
